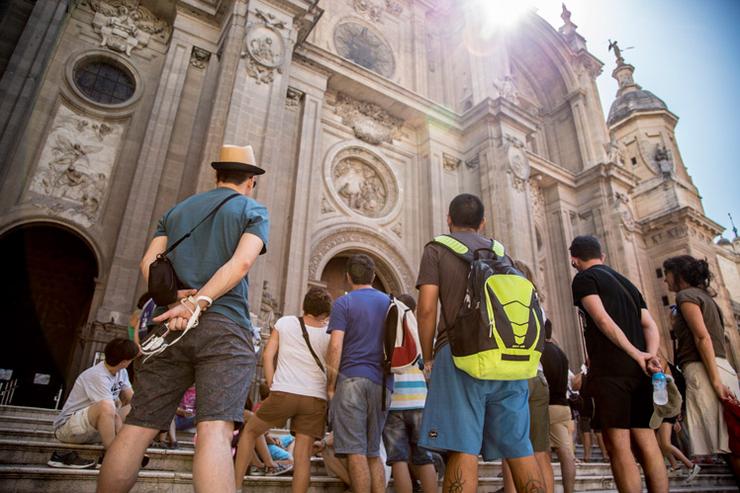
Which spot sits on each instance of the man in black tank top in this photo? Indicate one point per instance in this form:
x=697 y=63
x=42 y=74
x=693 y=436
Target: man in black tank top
x=622 y=341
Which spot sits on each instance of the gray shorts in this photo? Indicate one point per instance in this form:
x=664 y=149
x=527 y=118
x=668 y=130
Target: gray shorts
x=217 y=355
x=357 y=416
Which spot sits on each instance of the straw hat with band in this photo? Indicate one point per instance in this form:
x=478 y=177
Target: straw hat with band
x=237 y=158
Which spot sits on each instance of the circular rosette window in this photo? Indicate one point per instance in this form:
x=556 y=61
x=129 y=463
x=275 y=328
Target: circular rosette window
x=363 y=183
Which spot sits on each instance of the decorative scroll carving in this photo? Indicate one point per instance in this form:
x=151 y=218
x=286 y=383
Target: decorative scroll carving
x=326 y=207
x=398 y=229
x=519 y=168
x=293 y=98
x=270 y=20
x=264 y=50
x=124 y=25
x=365 y=7
x=473 y=163
x=199 y=57
x=369 y=121
x=624 y=210
x=450 y=163
x=75 y=166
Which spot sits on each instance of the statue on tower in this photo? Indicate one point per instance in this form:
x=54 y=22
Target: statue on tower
x=617 y=51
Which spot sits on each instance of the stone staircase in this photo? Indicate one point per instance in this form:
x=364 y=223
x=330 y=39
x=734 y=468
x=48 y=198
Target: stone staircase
x=26 y=443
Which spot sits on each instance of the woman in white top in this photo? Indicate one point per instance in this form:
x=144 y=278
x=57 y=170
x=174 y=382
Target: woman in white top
x=297 y=386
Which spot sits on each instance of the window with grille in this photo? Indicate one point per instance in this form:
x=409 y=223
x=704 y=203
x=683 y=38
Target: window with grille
x=104 y=82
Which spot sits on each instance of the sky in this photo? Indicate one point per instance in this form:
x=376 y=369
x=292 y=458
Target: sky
x=688 y=54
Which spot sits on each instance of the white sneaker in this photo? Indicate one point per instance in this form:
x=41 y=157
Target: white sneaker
x=693 y=473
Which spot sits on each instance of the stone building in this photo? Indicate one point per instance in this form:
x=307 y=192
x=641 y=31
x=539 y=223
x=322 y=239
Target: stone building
x=369 y=115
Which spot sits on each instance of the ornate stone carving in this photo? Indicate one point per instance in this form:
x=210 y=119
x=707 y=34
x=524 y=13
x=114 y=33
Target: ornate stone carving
x=264 y=50
x=326 y=207
x=360 y=187
x=394 y=266
x=663 y=160
x=369 y=121
x=293 y=98
x=364 y=47
x=519 y=168
x=372 y=10
x=199 y=57
x=270 y=20
x=394 y=7
x=362 y=182
x=398 y=229
x=75 y=166
x=124 y=25
x=614 y=152
x=506 y=88
x=624 y=210
x=473 y=163
x=269 y=308
x=450 y=163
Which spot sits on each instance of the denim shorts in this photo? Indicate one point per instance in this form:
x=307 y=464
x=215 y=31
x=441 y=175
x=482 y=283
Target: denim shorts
x=357 y=417
x=471 y=416
x=401 y=438
x=217 y=355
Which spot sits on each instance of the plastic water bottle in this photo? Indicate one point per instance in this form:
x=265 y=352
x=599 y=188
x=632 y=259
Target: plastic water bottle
x=660 y=388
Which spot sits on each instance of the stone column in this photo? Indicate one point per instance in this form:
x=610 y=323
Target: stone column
x=23 y=75
x=308 y=176
x=133 y=235
x=583 y=131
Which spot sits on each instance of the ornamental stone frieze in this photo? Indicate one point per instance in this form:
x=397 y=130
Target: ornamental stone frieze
x=450 y=163
x=264 y=48
x=363 y=183
x=75 y=166
x=369 y=122
x=124 y=25
x=373 y=10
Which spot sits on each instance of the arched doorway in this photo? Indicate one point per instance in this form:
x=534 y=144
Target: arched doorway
x=46 y=299
x=333 y=276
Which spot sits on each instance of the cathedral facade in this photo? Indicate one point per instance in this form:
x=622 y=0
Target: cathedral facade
x=368 y=115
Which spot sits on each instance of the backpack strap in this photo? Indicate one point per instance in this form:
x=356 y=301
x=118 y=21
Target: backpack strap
x=308 y=343
x=461 y=249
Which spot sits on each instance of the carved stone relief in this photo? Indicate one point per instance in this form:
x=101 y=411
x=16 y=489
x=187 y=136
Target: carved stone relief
x=199 y=57
x=293 y=98
x=663 y=160
x=363 y=183
x=374 y=10
x=473 y=163
x=614 y=152
x=124 y=25
x=506 y=88
x=264 y=49
x=624 y=210
x=450 y=163
x=269 y=308
x=75 y=166
x=519 y=168
x=326 y=207
x=370 y=122
x=398 y=229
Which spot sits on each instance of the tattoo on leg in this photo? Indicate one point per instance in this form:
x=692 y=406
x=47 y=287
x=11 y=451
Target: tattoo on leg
x=456 y=485
x=530 y=485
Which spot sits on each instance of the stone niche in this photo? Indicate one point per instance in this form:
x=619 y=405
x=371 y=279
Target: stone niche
x=75 y=166
x=362 y=183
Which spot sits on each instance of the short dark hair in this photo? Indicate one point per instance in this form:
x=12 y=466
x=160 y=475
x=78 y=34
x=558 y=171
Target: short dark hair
x=694 y=271
x=120 y=349
x=407 y=300
x=232 y=176
x=361 y=269
x=317 y=301
x=548 y=329
x=466 y=211
x=585 y=247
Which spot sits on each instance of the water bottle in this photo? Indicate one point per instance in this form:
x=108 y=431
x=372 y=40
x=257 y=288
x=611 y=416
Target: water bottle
x=660 y=389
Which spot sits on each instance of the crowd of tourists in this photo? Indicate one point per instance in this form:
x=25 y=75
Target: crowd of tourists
x=328 y=365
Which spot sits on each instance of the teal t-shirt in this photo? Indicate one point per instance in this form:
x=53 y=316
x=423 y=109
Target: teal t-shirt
x=214 y=242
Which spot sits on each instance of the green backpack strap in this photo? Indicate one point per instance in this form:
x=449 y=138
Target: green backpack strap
x=461 y=249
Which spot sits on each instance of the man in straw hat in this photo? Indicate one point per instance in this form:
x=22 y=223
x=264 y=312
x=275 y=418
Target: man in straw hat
x=217 y=354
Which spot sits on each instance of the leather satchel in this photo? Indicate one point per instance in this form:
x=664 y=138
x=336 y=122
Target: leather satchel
x=163 y=281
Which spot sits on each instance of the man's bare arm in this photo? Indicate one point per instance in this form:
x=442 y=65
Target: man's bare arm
x=333 y=357
x=650 y=329
x=268 y=356
x=426 y=311
x=595 y=308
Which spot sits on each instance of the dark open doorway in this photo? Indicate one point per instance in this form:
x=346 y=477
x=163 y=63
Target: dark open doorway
x=335 y=279
x=46 y=300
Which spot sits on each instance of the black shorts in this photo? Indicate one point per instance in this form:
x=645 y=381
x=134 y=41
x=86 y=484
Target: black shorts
x=622 y=402
x=217 y=355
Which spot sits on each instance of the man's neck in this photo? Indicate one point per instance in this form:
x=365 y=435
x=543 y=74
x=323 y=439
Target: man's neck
x=355 y=287
x=458 y=229
x=111 y=369
x=587 y=264
x=230 y=186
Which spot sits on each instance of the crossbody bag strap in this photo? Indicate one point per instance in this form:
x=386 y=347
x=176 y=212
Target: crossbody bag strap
x=215 y=209
x=308 y=343
x=626 y=291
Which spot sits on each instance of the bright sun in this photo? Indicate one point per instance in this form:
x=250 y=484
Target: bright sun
x=502 y=13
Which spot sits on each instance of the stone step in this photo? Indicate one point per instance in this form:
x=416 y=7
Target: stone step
x=184 y=440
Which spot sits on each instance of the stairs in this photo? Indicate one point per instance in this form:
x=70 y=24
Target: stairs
x=26 y=443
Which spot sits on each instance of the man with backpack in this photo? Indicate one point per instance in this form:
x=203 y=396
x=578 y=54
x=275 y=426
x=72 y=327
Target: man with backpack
x=218 y=236
x=622 y=342
x=355 y=375
x=465 y=414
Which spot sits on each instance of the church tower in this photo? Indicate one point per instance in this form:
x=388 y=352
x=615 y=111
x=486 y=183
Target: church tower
x=664 y=204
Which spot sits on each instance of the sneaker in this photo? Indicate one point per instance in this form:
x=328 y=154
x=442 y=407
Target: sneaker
x=256 y=471
x=693 y=473
x=675 y=472
x=71 y=460
x=279 y=470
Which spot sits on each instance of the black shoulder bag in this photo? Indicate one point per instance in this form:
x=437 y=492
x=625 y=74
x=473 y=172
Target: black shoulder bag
x=163 y=281
x=308 y=343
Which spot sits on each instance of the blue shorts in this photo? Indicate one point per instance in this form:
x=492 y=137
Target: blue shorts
x=357 y=417
x=464 y=414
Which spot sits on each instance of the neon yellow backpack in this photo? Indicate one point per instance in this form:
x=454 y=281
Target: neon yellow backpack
x=498 y=331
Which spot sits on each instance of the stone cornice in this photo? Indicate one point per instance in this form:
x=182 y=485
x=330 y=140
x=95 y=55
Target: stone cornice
x=687 y=215
x=605 y=170
x=550 y=171
x=500 y=109
x=671 y=118
x=389 y=94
